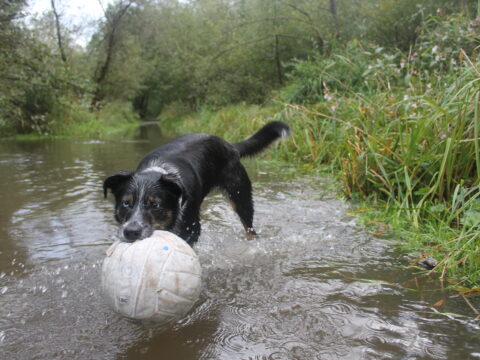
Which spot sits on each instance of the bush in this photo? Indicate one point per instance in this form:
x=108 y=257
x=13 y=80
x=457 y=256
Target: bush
x=356 y=67
x=442 y=47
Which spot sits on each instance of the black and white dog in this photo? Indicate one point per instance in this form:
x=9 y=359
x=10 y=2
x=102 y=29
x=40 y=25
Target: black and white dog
x=170 y=183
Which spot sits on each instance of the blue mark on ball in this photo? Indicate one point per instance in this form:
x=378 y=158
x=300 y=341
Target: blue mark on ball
x=166 y=248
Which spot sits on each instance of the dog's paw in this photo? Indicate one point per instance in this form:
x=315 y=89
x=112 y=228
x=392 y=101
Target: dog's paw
x=251 y=233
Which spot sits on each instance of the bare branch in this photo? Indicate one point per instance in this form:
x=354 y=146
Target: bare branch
x=311 y=22
x=301 y=11
x=58 y=31
x=103 y=7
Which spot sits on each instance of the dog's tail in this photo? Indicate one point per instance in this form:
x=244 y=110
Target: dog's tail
x=262 y=138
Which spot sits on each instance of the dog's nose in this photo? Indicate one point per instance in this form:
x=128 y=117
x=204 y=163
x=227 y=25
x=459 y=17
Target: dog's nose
x=132 y=232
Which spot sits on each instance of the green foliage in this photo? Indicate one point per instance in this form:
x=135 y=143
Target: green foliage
x=355 y=67
x=35 y=83
x=442 y=45
x=396 y=24
x=217 y=52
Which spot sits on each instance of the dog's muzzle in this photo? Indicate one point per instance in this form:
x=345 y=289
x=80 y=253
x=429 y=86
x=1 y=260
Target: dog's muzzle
x=134 y=230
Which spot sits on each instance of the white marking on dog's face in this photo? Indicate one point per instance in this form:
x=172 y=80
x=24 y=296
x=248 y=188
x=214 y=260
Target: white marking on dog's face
x=157 y=169
x=162 y=168
x=137 y=216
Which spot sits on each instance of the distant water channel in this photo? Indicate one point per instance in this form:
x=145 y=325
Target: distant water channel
x=314 y=285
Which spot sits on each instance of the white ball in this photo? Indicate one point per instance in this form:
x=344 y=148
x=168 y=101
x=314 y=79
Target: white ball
x=158 y=278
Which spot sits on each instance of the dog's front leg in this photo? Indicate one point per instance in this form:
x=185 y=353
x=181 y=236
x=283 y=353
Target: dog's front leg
x=188 y=225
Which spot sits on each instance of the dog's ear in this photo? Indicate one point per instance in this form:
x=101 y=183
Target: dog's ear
x=114 y=181
x=172 y=184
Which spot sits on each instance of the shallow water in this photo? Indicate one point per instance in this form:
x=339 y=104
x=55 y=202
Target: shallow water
x=313 y=285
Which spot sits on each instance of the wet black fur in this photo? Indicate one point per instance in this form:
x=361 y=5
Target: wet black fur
x=190 y=166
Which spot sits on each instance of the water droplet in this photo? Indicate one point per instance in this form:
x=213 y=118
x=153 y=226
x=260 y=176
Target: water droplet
x=64 y=294
x=3 y=290
x=2 y=336
x=2 y=275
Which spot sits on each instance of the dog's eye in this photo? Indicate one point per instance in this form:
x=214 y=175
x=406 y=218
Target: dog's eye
x=126 y=204
x=156 y=205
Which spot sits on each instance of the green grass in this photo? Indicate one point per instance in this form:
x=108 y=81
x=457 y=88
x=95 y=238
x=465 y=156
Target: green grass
x=72 y=120
x=112 y=120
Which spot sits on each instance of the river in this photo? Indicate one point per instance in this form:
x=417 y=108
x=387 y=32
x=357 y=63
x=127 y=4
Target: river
x=313 y=285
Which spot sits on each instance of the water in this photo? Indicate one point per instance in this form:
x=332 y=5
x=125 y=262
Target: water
x=314 y=285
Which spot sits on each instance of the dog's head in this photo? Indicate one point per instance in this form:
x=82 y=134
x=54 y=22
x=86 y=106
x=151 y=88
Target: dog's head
x=144 y=202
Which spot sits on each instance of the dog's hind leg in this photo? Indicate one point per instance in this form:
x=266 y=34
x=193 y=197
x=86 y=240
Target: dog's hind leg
x=239 y=191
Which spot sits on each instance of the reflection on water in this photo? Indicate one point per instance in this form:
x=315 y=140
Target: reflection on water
x=312 y=286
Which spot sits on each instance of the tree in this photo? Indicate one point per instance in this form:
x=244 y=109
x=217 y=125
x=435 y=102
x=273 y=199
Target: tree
x=114 y=17
x=10 y=10
x=34 y=81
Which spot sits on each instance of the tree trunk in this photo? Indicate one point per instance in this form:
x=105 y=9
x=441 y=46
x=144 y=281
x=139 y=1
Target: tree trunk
x=333 y=12
x=278 y=62
x=58 y=31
